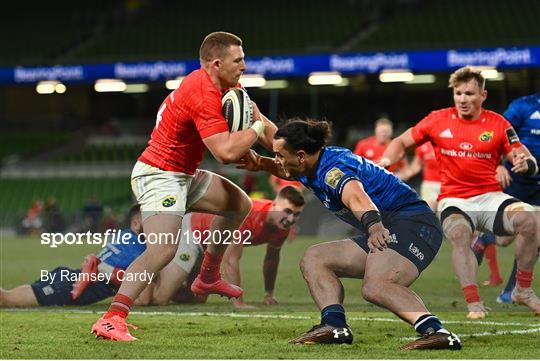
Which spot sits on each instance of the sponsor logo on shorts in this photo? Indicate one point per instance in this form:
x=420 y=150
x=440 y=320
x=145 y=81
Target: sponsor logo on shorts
x=168 y=201
x=392 y=239
x=486 y=136
x=185 y=257
x=333 y=176
x=414 y=250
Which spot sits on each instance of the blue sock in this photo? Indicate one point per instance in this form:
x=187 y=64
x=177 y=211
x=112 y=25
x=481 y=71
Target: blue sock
x=487 y=238
x=428 y=324
x=333 y=315
x=512 y=279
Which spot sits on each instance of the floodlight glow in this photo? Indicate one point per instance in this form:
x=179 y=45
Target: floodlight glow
x=344 y=82
x=109 y=85
x=252 y=80
x=325 y=78
x=60 y=88
x=174 y=83
x=46 y=87
x=393 y=76
x=136 y=88
x=276 y=84
x=422 y=79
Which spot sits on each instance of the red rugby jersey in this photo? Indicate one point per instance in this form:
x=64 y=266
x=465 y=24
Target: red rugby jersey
x=431 y=171
x=189 y=114
x=468 y=150
x=261 y=232
x=370 y=149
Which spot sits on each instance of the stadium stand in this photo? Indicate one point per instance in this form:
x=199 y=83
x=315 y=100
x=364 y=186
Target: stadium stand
x=440 y=24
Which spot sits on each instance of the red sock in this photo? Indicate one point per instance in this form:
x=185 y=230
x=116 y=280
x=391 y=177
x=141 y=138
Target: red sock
x=524 y=278
x=471 y=293
x=210 y=267
x=491 y=257
x=120 y=306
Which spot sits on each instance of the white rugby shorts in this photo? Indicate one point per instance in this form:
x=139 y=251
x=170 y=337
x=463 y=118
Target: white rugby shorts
x=483 y=211
x=164 y=192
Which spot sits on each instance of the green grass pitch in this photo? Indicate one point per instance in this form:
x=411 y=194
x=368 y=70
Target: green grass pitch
x=214 y=331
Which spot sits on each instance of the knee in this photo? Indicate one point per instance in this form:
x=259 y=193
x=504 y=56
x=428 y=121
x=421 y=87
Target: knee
x=310 y=259
x=459 y=236
x=371 y=291
x=525 y=224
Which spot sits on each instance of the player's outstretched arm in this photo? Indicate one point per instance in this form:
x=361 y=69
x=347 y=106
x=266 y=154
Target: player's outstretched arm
x=254 y=162
x=413 y=169
x=396 y=149
x=356 y=199
x=270 y=268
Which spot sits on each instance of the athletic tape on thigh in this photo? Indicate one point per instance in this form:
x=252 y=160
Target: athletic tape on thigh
x=450 y=223
x=515 y=207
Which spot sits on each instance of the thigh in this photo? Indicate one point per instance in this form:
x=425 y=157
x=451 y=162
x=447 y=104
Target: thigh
x=389 y=265
x=170 y=280
x=158 y=191
x=219 y=196
x=345 y=257
x=494 y=211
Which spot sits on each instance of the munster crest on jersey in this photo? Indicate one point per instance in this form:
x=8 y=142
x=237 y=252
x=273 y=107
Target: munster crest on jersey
x=486 y=136
x=333 y=176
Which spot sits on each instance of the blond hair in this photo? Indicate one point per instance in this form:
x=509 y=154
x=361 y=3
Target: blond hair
x=465 y=74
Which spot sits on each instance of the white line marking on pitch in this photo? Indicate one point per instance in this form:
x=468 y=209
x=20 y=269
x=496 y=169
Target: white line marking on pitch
x=270 y=316
x=496 y=333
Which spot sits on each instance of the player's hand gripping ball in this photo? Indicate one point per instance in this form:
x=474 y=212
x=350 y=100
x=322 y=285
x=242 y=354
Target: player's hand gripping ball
x=237 y=109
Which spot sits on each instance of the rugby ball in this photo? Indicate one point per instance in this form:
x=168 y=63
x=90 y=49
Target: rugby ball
x=237 y=109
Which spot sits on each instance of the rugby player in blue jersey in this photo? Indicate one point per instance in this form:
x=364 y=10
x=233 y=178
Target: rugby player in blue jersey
x=66 y=286
x=524 y=115
x=398 y=237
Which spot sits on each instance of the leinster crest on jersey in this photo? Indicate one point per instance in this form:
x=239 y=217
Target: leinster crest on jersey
x=333 y=176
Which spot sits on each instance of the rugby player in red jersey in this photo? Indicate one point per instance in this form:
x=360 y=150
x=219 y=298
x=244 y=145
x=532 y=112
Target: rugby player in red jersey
x=470 y=141
x=373 y=147
x=269 y=222
x=167 y=182
x=425 y=160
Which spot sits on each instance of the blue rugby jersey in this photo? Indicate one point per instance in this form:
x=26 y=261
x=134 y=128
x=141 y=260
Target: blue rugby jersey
x=524 y=115
x=337 y=166
x=123 y=250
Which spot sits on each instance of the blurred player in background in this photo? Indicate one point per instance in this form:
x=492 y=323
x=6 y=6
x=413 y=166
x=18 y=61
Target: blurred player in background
x=269 y=222
x=399 y=236
x=167 y=182
x=470 y=142
x=425 y=160
x=373 y=147
x=60 y=289
x=524 y=115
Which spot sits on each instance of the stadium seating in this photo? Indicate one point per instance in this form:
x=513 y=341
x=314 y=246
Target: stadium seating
x=71 y=194
x=24 y=144
x=442 y=24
